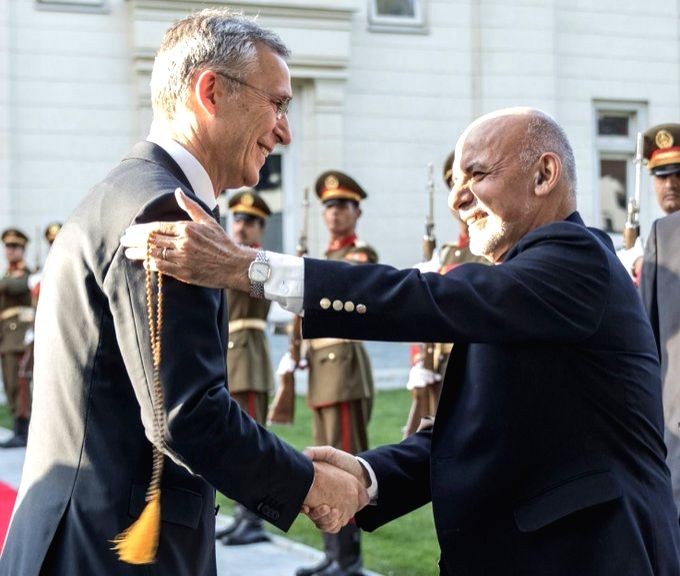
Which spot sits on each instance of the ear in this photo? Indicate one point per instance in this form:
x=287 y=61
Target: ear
x=205 y=91
x=548 y=173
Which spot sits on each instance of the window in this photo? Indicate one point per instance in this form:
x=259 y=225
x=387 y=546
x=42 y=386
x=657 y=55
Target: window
x=270 y=187
x=73 y=5
x=616 y=126
x=396 y=16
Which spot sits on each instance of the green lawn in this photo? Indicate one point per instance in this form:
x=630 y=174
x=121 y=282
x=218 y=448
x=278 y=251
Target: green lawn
x=5 y=418
x=405 y=547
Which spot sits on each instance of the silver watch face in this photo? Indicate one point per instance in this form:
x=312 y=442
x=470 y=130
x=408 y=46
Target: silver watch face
x=258 y=271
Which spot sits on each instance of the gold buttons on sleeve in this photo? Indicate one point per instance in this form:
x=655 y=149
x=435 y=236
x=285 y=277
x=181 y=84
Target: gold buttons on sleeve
x=349 y=306
x=325 y=303
x=361 y=308
x=337 y=305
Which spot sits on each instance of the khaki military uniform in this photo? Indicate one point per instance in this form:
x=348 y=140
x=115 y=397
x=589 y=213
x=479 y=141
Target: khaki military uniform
x=248 y=362
x=16 y=319
x=340 y=389
x=452 y=254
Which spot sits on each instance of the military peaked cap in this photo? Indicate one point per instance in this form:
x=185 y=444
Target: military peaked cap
x=250 y=203
x=51 y=231
x=14 y=236
x=662 y=149
x=334 y=185
x=448 y=169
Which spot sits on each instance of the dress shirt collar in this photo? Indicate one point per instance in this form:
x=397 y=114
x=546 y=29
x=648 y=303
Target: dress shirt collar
x=192 y=168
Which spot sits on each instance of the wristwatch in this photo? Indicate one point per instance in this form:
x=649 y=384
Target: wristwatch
x=258 y=273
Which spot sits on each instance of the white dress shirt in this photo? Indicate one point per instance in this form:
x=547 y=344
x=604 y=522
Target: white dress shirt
x=196 y=175
x=286 y=285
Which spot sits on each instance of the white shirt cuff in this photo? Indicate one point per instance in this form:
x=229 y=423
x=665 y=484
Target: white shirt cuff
x=373 y=488
x=286 y=281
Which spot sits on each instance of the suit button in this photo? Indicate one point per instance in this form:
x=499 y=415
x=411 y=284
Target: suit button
x=349 y=306
x=230 y=345
x=361 y=309
x=325 y=303
x=337 y=305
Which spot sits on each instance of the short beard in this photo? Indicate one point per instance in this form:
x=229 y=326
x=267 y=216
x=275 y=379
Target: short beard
x=486 y=242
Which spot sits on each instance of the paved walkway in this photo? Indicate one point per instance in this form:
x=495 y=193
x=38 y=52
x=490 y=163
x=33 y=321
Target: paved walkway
x=280 y=557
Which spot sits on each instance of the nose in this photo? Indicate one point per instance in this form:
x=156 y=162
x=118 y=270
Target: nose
x=282 y=131
x=460 y=196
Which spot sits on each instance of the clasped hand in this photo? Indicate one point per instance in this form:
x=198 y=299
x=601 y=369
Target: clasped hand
x=339 y=489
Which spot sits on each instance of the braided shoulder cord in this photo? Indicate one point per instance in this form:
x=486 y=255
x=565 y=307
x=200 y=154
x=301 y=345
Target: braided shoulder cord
x=155 y=316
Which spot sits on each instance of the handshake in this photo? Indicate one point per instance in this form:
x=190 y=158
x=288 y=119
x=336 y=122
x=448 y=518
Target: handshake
x=339 y=489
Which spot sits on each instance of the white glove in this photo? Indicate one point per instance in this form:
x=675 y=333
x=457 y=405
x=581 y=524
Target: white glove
x=286 y=365
x=629 y=256
x=419 y=377
x=432 y=265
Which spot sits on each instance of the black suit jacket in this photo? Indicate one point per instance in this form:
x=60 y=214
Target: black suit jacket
x=546 y=456
x=88 y=460
x=660 y=291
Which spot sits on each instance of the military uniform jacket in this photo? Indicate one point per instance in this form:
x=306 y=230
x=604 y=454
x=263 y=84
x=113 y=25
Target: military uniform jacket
x=16 y=312
x=248 y=362
x=660 y=290
x=547 y=454
x=339 y=370
x=88 y=460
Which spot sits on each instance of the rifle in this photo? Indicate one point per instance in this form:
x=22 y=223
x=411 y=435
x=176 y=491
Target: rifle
x=422 y=398
x=38 y=250
x=631 y=229
x=282 y=409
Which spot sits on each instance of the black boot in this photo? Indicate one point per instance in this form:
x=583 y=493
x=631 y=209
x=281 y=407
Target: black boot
x=348 y=561
x=249 y=531
x=231 y=528
x=20 y=435
x=331 y=549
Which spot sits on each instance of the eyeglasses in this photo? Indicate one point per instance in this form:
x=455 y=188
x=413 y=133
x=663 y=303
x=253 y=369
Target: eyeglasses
x=280 y=104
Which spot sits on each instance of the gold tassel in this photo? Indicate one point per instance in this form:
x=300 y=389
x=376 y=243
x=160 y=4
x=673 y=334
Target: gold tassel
x=138 y=543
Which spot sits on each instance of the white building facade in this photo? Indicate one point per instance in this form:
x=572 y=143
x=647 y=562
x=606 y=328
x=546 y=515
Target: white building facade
x=382 y=87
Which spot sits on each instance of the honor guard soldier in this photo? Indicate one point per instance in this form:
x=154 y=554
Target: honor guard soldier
x=662 y=152
x=340 y=389
x=436 y=356
x=250 y=373
x=16 y=319
x=660 y=280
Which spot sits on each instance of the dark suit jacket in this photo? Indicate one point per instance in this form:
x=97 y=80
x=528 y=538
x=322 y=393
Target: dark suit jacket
x=88 y=461
x=547 y=454
x=660 y=290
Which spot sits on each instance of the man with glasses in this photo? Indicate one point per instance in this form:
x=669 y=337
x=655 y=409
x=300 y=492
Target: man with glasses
x=111 y=407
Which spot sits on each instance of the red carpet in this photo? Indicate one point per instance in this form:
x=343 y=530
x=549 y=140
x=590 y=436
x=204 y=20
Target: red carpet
x=7 y=497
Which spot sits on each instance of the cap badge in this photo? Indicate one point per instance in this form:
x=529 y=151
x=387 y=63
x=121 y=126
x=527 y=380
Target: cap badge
x=247 y=200
x=664 y=139
x=331 y=183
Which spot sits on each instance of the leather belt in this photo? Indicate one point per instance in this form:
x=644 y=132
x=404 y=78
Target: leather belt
x=319 y=343
x=247 y=324
x=25 y=313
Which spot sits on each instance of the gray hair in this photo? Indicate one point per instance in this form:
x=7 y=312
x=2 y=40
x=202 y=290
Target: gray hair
x=544 y=134
x=220 y=39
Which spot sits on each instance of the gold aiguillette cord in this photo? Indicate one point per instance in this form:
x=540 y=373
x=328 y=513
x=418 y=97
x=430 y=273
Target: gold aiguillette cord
x=138 y=543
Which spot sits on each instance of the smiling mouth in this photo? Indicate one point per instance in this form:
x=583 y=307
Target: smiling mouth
x=474 y=218
x=265 y=151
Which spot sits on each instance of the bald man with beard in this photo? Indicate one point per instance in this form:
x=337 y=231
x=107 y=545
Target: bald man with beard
x=547 y=454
